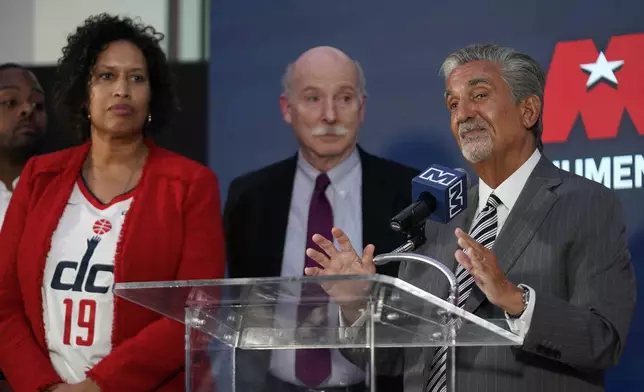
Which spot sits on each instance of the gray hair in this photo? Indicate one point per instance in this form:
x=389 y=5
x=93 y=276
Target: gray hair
x=361 y=88
x=521 y=72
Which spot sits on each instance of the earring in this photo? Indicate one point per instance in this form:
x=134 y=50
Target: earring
x=149 y=118
x=89 y=116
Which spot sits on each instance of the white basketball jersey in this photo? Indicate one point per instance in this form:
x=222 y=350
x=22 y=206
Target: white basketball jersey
x=78 y=303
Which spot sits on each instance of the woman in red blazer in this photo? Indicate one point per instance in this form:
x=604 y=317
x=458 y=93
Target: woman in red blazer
x=115 y=209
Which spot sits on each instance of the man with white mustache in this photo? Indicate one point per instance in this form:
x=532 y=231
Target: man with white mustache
x=270 y=212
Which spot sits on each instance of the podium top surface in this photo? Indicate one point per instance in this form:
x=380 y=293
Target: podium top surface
x=267 y=313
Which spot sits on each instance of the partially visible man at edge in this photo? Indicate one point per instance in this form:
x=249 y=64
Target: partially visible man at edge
x=23 y=120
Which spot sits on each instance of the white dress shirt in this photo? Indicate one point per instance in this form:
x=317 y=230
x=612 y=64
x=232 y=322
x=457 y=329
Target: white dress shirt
x=508 y=192
x=345 y=196
x=5 y=197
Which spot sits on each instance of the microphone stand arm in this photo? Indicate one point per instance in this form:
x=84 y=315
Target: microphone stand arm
x=415 y=239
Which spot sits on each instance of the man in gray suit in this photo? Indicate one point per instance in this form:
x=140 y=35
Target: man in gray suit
x=545 y=247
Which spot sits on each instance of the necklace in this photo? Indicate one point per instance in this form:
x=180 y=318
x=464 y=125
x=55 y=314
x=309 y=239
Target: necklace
x=133 y=170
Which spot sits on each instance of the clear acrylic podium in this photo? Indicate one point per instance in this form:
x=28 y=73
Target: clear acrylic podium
x=234 y=326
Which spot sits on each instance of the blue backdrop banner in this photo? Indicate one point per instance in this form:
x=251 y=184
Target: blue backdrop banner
x=593 y=113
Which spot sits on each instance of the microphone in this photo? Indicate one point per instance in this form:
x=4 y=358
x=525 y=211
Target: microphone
x=468 y=180
x=440 y=194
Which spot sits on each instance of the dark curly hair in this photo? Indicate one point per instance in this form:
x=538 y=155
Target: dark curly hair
x=71 y=92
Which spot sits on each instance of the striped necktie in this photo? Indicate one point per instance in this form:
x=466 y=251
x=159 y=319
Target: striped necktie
x=484 y=231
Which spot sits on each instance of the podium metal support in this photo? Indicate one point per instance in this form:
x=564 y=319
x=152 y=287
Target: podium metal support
x=452 y=297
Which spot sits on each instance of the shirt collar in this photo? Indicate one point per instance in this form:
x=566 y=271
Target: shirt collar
x=510 y=189
x=14 y=184
x=336 y=174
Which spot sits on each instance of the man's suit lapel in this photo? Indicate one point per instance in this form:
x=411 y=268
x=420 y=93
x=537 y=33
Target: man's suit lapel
x=532 y=207
x=441 y=245
x=278 y=211
x=371 y=201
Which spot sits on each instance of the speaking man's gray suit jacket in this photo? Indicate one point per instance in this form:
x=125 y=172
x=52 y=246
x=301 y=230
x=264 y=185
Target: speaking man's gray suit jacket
x=566 y=238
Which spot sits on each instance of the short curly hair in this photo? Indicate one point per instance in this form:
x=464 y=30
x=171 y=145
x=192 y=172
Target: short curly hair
x=71 y=92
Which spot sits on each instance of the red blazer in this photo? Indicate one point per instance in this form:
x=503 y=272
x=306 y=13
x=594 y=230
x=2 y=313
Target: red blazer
x=172 y=231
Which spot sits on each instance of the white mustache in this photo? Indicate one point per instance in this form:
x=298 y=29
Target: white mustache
x=466 y=127
x=337 y=130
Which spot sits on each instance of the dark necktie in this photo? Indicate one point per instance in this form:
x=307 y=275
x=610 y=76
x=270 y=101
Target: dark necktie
x=484 y=231
x=313 y=366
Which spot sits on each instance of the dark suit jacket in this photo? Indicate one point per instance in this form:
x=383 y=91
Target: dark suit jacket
x=256 y=218
x=565 y=237
x=257 y=207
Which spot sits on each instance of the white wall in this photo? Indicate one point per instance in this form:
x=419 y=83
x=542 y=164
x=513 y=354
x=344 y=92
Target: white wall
x=33 y=32
x=55 y=19
x=190 y=21
x=16 y=32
